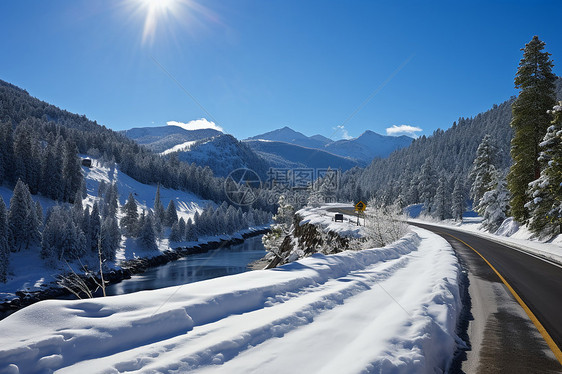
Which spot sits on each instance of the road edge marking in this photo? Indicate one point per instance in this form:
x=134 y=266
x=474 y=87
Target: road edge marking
x=546 y=336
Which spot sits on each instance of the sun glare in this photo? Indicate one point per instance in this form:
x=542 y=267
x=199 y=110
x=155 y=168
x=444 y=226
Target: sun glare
x=156 y=11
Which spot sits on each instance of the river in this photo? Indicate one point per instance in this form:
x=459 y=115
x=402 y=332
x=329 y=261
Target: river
x=193 y=268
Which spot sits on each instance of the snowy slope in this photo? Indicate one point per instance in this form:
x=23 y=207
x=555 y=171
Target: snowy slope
x=28 y=271
x=161 y=138
x=391 y=309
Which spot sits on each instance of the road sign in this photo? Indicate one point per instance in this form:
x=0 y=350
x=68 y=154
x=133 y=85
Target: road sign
x=360 y=206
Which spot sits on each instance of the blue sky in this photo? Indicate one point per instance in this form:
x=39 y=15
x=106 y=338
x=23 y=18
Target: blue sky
x=255 y=65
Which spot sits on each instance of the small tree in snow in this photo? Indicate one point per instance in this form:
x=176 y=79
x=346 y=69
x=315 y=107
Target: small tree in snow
x=383 y=224
x=483 y=169
x=282 y=227
x=175 y=235
x=494 y=205
x=171 y=215
x=129 y=222
x=458 y=199
x=147 y=235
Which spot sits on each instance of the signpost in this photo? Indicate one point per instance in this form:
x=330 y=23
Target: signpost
x=360 y=208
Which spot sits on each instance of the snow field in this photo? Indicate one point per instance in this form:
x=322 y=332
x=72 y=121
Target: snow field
x=393 y=309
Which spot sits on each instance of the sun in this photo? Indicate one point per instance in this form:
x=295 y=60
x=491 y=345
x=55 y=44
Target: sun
x=156 y=11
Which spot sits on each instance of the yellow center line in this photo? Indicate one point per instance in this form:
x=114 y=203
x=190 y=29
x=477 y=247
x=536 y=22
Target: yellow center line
x=546 y=336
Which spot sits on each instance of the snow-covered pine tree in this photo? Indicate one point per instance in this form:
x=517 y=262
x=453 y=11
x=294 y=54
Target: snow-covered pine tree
x=458 y=199
x=22 y=154
x=190 y=233
x=483 y=169
x=175 y=235
x=71 y=171
x=494 y=205
x=24 y=228
x=4 y=248
x=442 y=201
x=87 y=229
x=110 y=201
x=95 y=228
x=129 y=222
x=147 y=235
x=110 y=238
x=159 y=212
x=530 y=121
x=427 y=185
x=546 y=192
x=171 y=215
x=181 y=227
x=282 y=227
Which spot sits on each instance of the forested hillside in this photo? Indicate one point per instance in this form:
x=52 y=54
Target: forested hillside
x=447 y=153
x=41 y=126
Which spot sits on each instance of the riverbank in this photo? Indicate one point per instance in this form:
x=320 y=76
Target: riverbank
x=126 y=269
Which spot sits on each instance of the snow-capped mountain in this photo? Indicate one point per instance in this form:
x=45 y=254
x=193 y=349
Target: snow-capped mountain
x=223 y=154
x=287 y=155
x=368 y=146
x=288 y=135
x=361 y=149
x=162 y=138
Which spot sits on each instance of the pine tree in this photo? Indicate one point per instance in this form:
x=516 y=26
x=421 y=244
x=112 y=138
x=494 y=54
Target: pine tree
x=147 y=235
x=171 y=216
x=110 y=238
x=427 y=185
x=159 y=212
x=181 y=227
x=442 y=201
x=546 y=192
x=175 y=235
x=530 y=121
x=190 y=233
x=22 y=154
x=494 y=205
x=483 y=169
x=4 y=248
x=458 y=199
x=95 y=228
x=129 y=222
x=71 y=171
x=19 y=216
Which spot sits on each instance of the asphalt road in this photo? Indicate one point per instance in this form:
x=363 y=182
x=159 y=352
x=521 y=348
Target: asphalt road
x=537 y=282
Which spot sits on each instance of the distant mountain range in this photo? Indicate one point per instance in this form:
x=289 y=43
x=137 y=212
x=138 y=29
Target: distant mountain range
x=360 y=150
x=282 y=148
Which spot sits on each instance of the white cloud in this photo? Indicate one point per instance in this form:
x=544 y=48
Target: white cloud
x=343 y=130
x=196 y=124
x=403 y=130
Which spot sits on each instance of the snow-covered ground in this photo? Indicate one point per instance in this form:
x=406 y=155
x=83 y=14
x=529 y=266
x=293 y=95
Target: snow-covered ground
x=324 y=219
x=28 y=271
x=510 y=234
x=391 y=309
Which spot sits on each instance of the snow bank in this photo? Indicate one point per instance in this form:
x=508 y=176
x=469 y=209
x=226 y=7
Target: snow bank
x=324 y=219
x=511 y=234
x=391 y=309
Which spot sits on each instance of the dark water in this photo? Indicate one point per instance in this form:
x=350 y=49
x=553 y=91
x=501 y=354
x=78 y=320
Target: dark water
x=215 y=263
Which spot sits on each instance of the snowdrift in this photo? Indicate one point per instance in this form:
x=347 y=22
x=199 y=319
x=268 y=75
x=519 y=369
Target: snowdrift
x=391 y=309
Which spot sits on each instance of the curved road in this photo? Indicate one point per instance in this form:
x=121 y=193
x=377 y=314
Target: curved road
x=537 y=282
